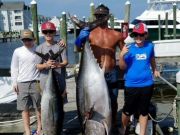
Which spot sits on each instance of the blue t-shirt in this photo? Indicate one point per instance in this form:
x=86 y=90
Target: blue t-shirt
x=138 y=60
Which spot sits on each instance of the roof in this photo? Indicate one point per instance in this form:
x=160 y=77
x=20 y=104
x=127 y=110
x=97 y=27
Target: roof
x=13 y=5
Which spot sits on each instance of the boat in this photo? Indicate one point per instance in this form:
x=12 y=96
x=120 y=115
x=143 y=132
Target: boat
x=150 y=18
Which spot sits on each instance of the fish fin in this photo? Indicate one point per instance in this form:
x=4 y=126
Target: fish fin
x=104 y=65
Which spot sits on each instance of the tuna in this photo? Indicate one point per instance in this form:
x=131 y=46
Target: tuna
x=93 y=100
x=52 y=113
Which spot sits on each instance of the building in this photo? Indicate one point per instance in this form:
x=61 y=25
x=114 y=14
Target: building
x=14 y=16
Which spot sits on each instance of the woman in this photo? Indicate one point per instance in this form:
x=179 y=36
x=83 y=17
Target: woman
x=138 y=61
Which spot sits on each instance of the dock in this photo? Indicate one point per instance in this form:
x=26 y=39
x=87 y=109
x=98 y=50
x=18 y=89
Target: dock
x=8 y=112
x=9 y=36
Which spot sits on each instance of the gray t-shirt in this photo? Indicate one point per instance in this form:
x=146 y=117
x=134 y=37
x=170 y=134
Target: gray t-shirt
x=60 y=73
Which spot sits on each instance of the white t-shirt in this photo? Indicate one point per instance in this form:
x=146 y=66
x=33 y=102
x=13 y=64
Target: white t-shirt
x=23 y=65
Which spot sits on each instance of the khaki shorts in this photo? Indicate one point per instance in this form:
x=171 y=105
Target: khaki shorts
x=29 y=96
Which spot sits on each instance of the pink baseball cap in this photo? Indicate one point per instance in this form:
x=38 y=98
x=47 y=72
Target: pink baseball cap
x=139 y=28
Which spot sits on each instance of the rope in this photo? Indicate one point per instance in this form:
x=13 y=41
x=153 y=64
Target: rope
x=172 y=86
x=157 y=121
x=175 y=114
x=13 y=122
x=69 y=121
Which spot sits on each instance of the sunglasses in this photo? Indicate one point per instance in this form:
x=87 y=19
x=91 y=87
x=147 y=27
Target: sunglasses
x=137 y=34
x=27 y=40
x=48 y=31
x=100 y=16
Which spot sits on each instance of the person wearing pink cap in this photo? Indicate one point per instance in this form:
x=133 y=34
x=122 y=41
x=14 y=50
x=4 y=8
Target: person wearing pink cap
x=49 y=48
x=138 y=61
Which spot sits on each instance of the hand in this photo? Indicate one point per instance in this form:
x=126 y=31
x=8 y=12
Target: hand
x=56 y=65
x=49 y=63
x=156 y=73
x=15 y=88
x=124 y=51
x=62 y=43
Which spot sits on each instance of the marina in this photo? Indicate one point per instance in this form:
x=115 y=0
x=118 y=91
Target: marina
x=167 y=52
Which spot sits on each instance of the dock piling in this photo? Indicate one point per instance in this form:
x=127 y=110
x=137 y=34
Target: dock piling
x=166 y=26
x=159 y=28
x=178 y=99
x=127 y=11
x=174 y=20
x=92 y=9
x=112 y=21
x=35 y=20
x=63 y=28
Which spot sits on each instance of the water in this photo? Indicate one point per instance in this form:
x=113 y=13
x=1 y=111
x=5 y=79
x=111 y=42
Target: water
x=7 y=49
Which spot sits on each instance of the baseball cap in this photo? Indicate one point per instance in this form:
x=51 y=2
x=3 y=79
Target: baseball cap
x=139 y=28
x=27 y=34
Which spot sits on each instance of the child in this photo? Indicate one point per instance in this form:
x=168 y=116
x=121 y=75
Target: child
x=138 y=61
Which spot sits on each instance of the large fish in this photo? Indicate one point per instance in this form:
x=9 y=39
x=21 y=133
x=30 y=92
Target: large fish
x=52 y=113
x=92 y=96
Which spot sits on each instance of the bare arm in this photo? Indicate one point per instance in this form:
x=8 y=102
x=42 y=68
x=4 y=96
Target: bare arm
x=42 y=66
x=154 y=69
x=122 y=63
x=60 y=65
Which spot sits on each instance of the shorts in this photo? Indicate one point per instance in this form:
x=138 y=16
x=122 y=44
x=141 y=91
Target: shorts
x=137 y=100
x=29 y=96
x=111 y=80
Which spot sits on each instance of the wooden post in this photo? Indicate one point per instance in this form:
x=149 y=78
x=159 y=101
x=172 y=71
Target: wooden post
x=178 y=100
x=35 y=20
x=75 y=35
x=166 y=26
x=92 y=9
x=64 y=27
x=174 y=20
x=127 y=11
x=112 y=21
x=159 y=28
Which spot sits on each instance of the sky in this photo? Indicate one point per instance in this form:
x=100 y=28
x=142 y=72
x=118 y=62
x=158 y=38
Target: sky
x=82 y=7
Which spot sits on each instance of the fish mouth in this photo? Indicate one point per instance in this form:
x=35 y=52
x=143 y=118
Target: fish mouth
x=91 y=25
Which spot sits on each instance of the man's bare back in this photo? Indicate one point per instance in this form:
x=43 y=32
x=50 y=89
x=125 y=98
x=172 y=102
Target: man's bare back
x=103 y=41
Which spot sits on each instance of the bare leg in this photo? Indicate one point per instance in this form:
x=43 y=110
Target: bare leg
x=125 y=121
x=26 y=120
x=38 y=115
x=143 y=124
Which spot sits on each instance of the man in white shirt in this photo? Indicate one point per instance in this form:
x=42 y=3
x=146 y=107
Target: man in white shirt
x=25 y=78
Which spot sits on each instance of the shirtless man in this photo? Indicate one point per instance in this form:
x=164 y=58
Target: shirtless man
x=103 y=41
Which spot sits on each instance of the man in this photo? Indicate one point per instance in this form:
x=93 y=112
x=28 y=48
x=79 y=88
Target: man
x=49 y=30
x=138 y=61
x=25 y=80
x=103 y=41
x=49 y=47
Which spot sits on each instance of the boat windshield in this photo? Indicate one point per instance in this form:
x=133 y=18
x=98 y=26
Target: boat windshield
x=162 y=4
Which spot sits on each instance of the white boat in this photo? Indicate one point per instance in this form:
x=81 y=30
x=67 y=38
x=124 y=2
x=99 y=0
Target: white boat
x=150 y=17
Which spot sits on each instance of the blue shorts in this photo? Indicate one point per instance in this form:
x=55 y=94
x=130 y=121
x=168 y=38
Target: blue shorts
x=112 y=80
